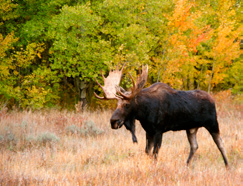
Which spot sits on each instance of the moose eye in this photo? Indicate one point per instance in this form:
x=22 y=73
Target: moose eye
x=127 y=105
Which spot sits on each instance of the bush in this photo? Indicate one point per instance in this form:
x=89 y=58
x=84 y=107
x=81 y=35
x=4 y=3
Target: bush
x=47 y=138
x=8 y=140
x=72 y=129
x=1 y=139
x=30 y=140
x=89 y=129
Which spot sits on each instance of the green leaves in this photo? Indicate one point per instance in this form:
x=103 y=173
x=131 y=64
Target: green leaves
x=76 y=45
x=52 y=47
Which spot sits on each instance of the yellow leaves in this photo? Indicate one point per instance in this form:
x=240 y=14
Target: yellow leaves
x=6 y=62
x=35 y=97
x=3 y=71
x=15 y=72
x=27 y=56
x=121 y=47
x=6 y=10
x=223 y=30
x=35 y=48
x=141 y=7
x=226 y=46
x=5 y=43
x=225 y=49
x=39 y=55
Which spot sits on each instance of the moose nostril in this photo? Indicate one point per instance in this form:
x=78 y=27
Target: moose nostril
x=113 y=121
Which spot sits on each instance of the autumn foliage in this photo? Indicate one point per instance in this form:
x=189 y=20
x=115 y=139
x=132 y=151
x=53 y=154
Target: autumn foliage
x=50 y=55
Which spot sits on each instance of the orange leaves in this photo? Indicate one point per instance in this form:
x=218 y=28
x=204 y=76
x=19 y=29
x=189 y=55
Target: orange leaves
x=198 y=40
x=182 y=17
x=187 y=33
x=226 y=42
x=184 y=30
x=202 y=36
x=226 y=46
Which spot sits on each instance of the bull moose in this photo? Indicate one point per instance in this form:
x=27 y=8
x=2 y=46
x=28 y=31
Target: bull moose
x=159 y=108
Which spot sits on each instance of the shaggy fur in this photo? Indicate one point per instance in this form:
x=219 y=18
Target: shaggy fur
x=159 y=108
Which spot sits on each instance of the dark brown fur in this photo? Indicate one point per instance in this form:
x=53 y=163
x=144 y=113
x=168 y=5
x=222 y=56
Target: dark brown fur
x=159 y=108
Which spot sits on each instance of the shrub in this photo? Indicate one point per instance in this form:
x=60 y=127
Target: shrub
x=11 y=138
x=89 y=129
x=72 y=129
x=8 y=140
x=47 y=138
x=30 y=140
x=1 y=139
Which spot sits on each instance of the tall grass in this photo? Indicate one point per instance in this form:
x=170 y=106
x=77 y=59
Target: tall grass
x=55 y=148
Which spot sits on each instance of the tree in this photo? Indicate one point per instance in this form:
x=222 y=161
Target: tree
x=78 y=51
x=225 y=48
x=180 y=64
x=7 y=72
x=52 y=51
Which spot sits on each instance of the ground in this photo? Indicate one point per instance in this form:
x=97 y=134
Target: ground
x=79 y=148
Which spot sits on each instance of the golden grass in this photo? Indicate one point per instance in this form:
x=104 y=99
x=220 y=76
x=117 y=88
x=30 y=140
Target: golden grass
x=111 y=158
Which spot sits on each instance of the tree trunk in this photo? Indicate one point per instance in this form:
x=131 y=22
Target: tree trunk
x=211 y=77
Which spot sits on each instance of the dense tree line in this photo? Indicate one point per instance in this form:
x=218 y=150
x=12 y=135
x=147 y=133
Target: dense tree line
x=51 y=50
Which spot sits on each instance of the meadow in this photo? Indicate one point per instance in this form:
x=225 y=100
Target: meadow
x=54 y=147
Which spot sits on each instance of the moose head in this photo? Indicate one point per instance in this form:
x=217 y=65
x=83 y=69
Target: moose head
x=123 y=114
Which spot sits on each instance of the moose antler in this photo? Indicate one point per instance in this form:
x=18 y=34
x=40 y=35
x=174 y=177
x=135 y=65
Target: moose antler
x=110 y=84
x=137 y=87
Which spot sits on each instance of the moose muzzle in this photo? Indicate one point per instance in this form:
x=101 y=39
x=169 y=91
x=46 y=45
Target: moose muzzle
x=116 y=124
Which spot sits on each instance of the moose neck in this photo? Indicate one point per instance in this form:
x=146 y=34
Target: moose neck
x=145 y=109
x=140 y=108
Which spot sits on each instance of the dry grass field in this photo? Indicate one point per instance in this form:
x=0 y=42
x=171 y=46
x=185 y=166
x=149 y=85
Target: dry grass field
x=79 y=148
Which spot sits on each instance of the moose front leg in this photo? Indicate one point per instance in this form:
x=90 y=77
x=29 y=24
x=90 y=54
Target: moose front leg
x=157 y=144
x=130 y=125
x=149 y=143
x=132 y=130
x=134 y=138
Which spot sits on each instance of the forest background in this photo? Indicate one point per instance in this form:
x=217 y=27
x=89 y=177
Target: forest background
x=52 y=50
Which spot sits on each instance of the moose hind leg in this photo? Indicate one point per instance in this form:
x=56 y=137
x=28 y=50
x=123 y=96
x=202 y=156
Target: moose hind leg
x=192 y=138
x=217 y=139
